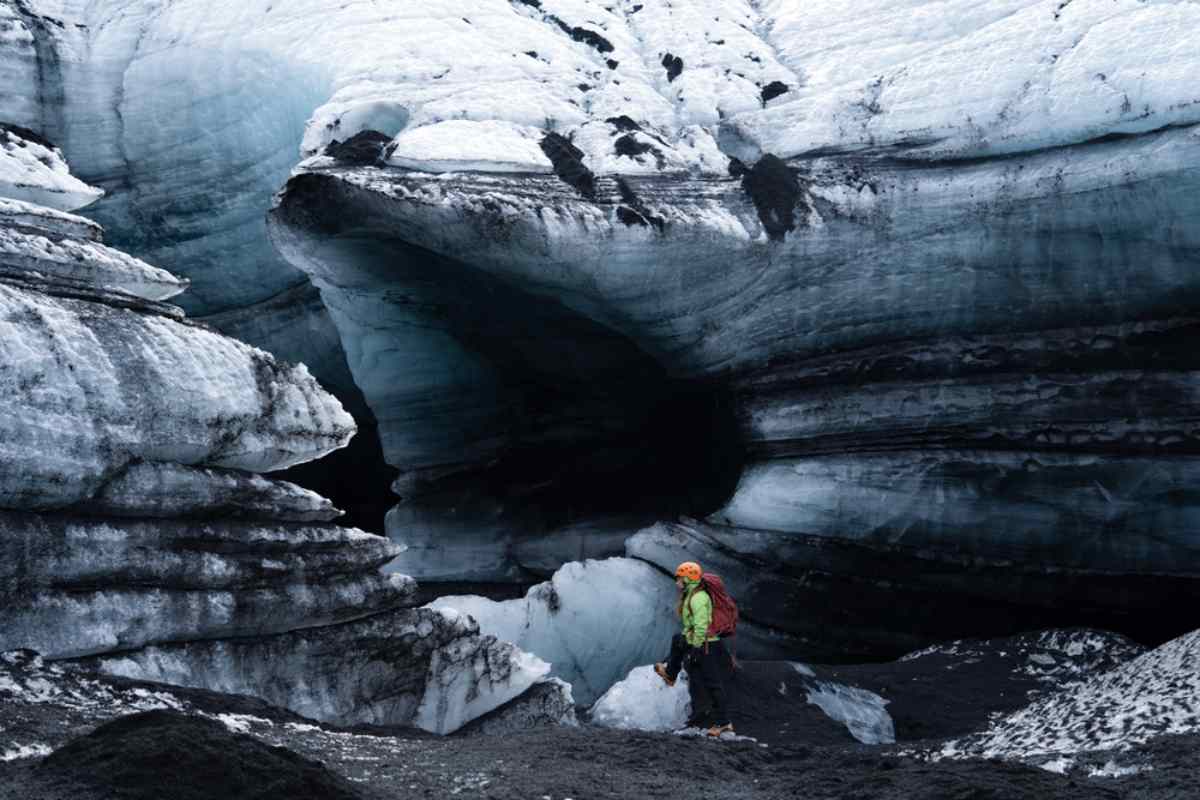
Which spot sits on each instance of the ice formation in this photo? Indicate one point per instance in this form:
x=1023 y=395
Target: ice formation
x=641 y=701
x=862 y=712
x=742 y=261
x=131 y=522
x=591 y=622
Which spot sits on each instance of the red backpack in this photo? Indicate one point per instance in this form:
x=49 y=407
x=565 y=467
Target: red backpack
x=725 y=611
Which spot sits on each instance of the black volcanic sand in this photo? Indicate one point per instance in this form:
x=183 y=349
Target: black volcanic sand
x=800 y=753
x=583 y=763
x=161 y=754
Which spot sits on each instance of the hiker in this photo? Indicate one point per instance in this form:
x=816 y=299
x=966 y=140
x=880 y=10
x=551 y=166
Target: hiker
x=700 y=648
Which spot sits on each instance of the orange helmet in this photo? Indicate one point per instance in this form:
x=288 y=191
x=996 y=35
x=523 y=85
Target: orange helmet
x=689 y=570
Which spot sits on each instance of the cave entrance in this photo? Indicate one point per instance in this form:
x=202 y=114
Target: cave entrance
x=509 y=413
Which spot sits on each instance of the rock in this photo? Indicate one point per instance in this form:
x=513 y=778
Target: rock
x=591 y=622
x=127 y=756
x=418 y=667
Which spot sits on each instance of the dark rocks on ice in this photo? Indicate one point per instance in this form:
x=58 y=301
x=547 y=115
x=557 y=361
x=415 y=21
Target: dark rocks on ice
x=568 y=164
x=772 y=90
x=362 y=149
x=773 y=187
x=584 y=35
x=673 y=65
x=623 y=123
x=159 y=754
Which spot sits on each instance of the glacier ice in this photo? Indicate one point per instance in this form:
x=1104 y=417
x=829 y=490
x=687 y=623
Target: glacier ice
x=34 y=170
x=970 y=257
x=591 y=622
x=642 y=701
x=417 y=667
x=862 y=712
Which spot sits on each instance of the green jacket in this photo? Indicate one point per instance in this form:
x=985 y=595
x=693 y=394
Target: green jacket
x=697 y=615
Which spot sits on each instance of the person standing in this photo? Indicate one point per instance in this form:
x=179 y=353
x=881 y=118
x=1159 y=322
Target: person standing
x=699 y=649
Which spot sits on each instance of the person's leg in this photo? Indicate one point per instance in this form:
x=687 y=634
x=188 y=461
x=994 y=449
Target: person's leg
x=713 y=668
x=701 y=716
x=679 y=648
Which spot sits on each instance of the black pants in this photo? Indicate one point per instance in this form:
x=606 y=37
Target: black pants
x=708 y=667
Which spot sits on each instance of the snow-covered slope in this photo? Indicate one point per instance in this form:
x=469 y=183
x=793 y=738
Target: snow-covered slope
x=1155 y=694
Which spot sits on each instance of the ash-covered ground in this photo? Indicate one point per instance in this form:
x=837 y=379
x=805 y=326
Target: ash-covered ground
x=66 y=733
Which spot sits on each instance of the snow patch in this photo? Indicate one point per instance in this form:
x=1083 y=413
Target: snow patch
x=484 y=146
x=22 y=751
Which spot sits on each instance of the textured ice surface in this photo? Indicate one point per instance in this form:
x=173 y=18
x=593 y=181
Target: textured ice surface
x=33 y=169
x=86 y=261
x=965 y=78
x=157 y=489
x=862 y=712
x=408 y=667
x=549 y=701
x=86 y=388
x=642 y=701
x=49 y=222
x=593 y=621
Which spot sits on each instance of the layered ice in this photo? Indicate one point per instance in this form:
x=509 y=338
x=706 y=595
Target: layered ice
x=953 y=241
x=33 y=170
x=592 y=622
x=417 y=667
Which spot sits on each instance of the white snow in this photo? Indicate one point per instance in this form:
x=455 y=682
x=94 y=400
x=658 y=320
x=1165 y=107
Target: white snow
x=15 y=751
x=643 y=701
x=49 y=221
x=487 y=146
x=1059 y=766
x=1112 y=769
x=938 y=77
x=593 y=621
x=964 y=78
x=241 y=723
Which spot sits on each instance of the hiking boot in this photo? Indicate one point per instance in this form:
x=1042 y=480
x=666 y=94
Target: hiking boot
x=716 y=730
x=661 y=671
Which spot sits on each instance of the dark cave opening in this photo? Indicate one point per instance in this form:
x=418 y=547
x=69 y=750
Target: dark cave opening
x=567 y=419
